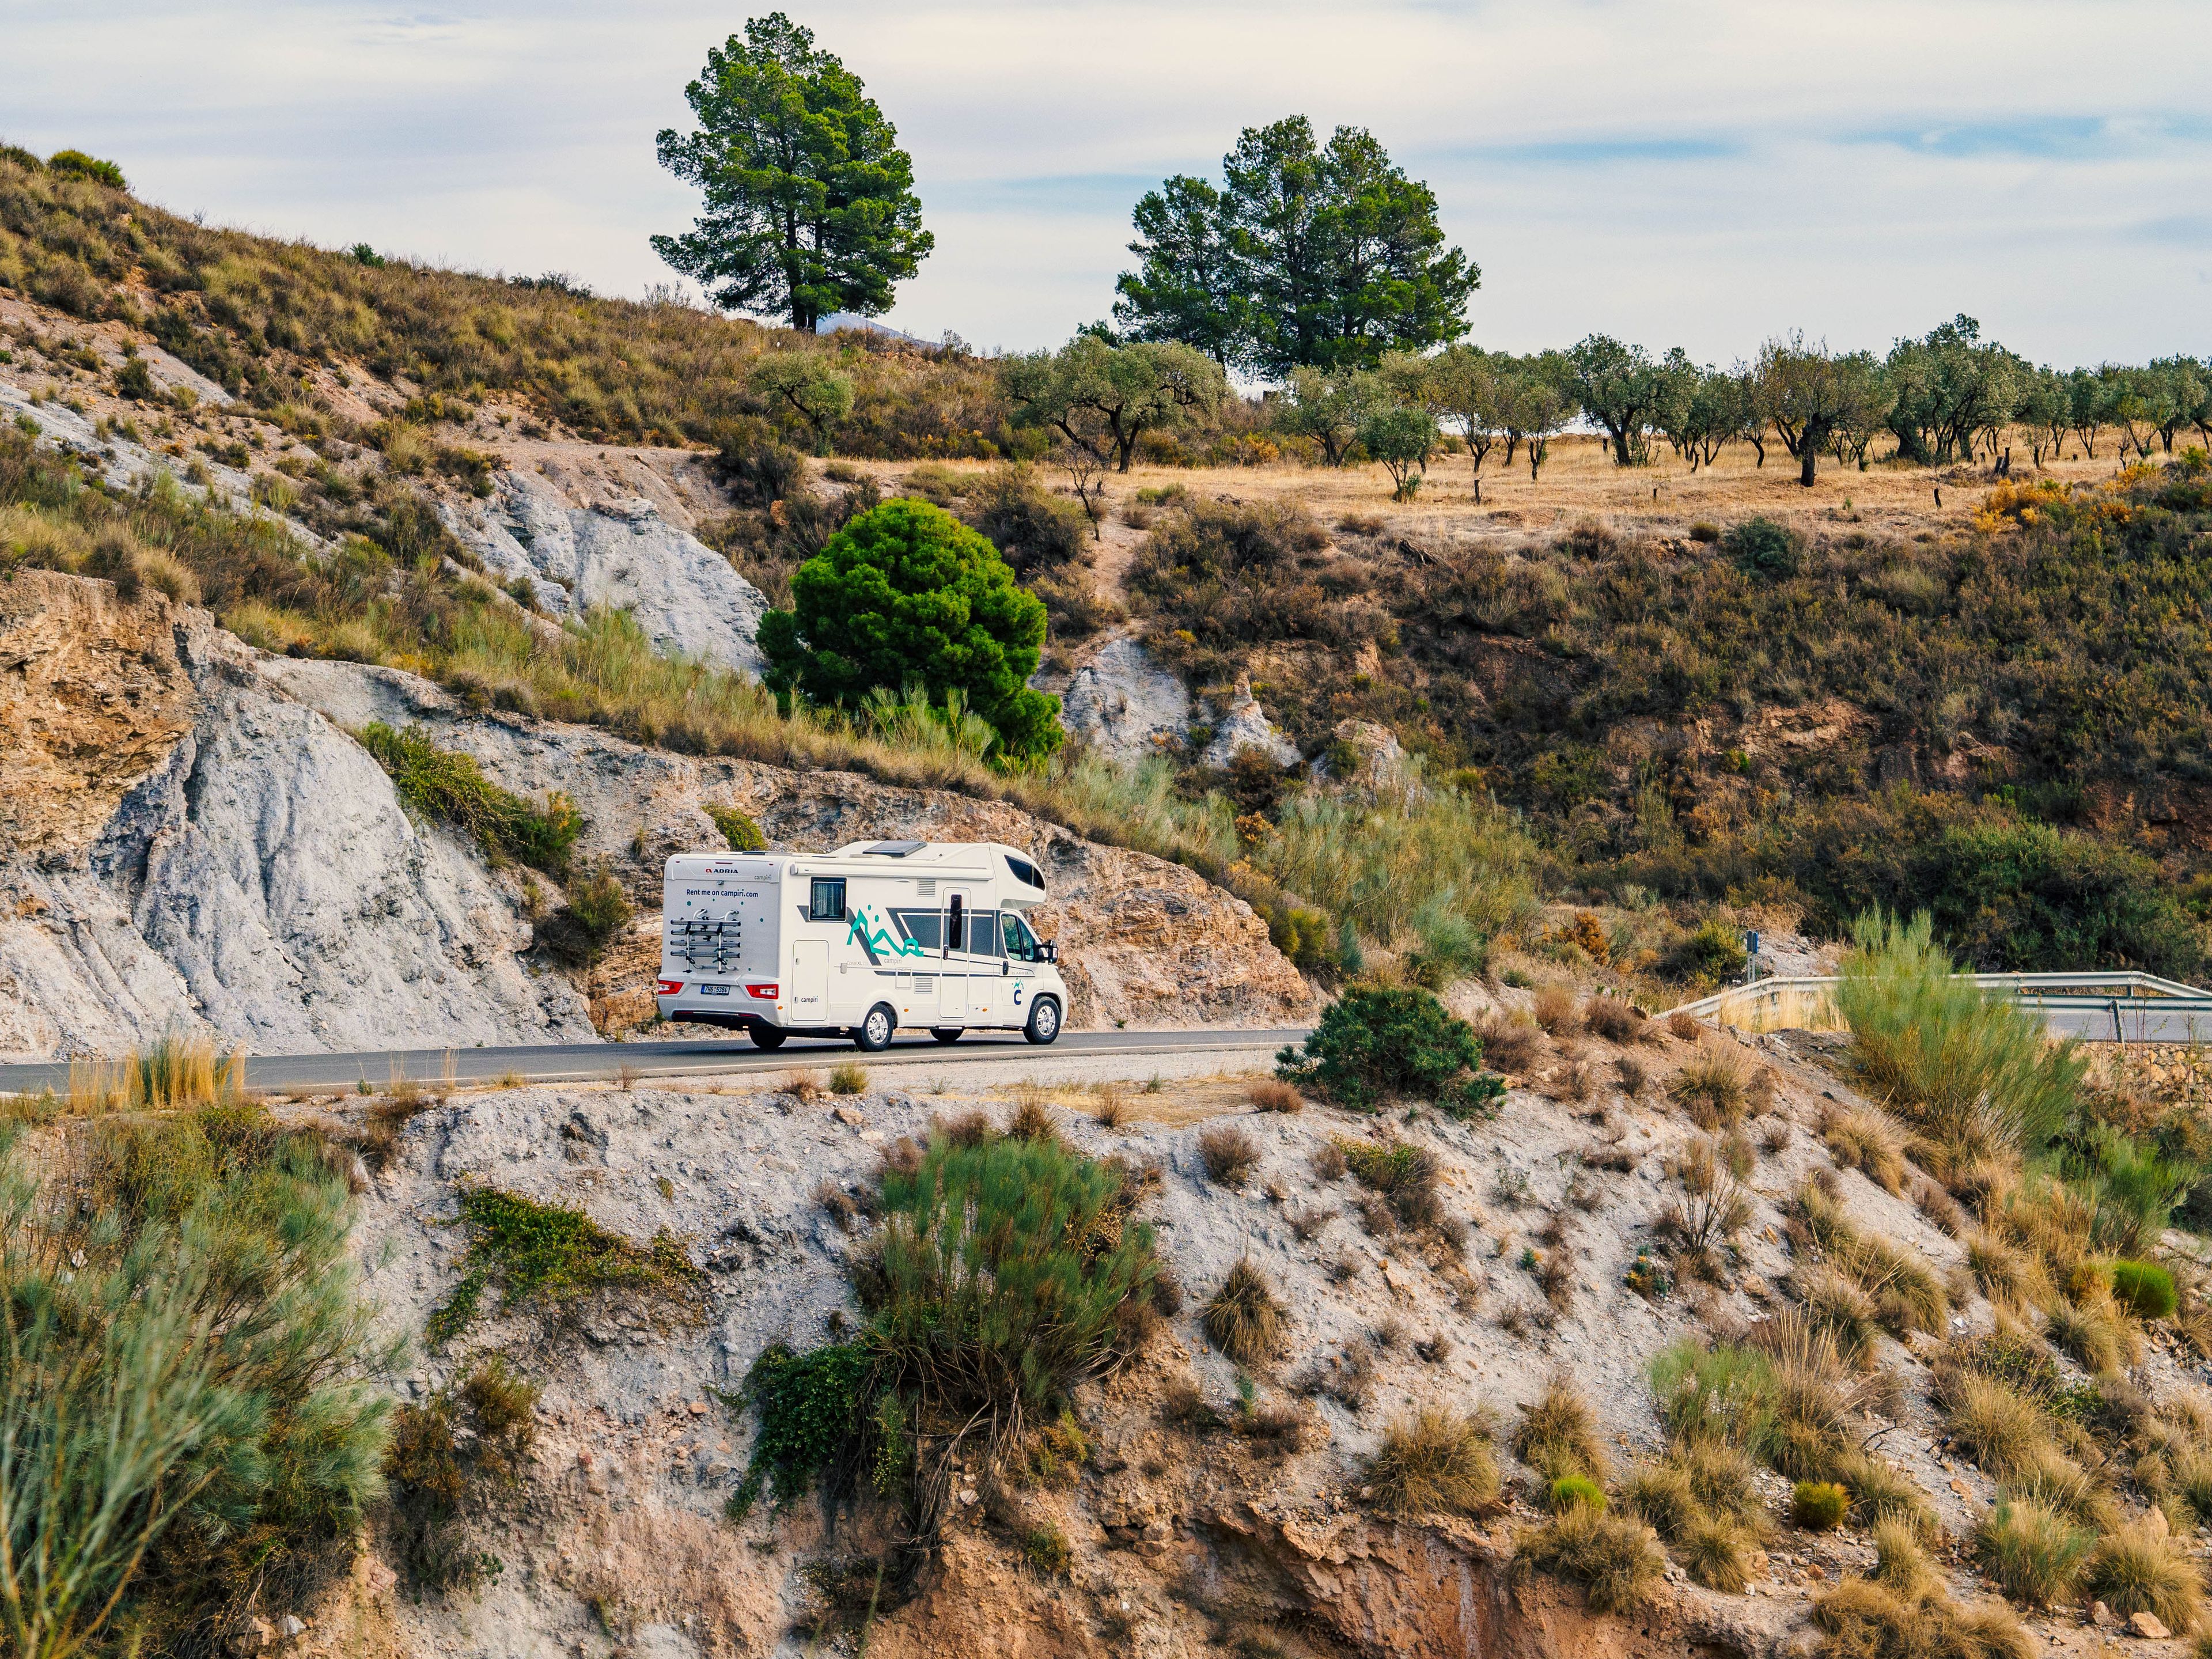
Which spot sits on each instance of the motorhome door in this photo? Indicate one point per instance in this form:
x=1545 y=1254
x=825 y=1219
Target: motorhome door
x=953 y=1003
x=810 y=981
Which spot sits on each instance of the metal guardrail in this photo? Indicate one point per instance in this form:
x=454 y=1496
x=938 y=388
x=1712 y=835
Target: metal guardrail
x=2112 y=1007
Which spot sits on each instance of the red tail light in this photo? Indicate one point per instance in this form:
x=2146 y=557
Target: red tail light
x=765 y=992
x=669 y=987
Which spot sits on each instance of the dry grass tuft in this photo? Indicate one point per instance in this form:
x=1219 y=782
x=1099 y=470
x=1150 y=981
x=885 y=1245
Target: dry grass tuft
x=1434 y=1463
x=1508 y=1044
x=848 y=1078
x=2095 y=1333
x=803 y=1084
x=1867 y=1140
x=1228 y=1154
x=1272 y=1095
x=1614 y=1018
x=1613 y=1558
x=1557 y=1435
x=1032 y=1121
x=1244 y=1320
x=1716 y=1552
x=2033 y=1552
x=1631 y=1075
x=1712 y=1087
x=1863 y=1619
x=2138 y=1567
x=1110 y=1106
x=1683 y=1027
x=1555 y=1011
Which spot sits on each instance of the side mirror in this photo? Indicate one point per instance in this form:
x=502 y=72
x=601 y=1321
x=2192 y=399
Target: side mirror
x=1048 y=951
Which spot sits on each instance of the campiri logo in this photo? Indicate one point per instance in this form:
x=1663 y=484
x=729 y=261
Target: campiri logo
x=873 y=937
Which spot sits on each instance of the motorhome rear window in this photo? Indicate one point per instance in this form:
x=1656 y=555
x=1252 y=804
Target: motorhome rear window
x=1025 y=872
x=826 y=899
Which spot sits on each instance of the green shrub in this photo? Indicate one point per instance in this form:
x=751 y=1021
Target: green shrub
x=810 y=1408
x=907 y=592
x=2145 y=1289
x=75 y=162
x=1761 y=546
x=446 y=1455
x=156 y=1480
x=448 y=785
x=1005 y=1271
x=1572 y=1489
x=738 y=828
x=1819 y=1505
x=1968 y=1068
x=550 y=1252
x=1711 y=952
x=1374 y=1042
x=598 y=909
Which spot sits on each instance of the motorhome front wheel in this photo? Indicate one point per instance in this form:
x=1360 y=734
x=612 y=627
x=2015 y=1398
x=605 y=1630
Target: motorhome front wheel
x=1044 y=1021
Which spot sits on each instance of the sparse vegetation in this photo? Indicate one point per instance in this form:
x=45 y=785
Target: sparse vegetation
x=1228 y=1154
x=448 y=1456
x=1613 y=1558
x=1245 y=1319
x=551 y=1253
x=1433 y=1461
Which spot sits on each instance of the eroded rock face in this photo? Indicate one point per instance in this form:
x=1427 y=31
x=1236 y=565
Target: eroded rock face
x=195 y=850
x=1143 y=941
x=1246 y=725
x=1123 y=704
x=581 y=547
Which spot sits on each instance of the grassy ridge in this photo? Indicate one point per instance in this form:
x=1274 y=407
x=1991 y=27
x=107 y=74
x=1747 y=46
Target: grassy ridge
x=251 y=313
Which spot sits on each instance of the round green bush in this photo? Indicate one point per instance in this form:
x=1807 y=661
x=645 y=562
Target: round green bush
x=1820 y=1505
x=86 y=166
x=1569 y=1490
x=1375 y=1042
x=907 y=595
x=2145 y=1289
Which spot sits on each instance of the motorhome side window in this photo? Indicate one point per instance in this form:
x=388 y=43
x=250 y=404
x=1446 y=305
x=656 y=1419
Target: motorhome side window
x=983 y=932
x=826 y=900
x=1021 y=944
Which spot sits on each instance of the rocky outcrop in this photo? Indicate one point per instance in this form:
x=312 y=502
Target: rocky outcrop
x=584 y=543
x=190 y=848
x=1143 y=941
x=1123 y=704
x=1246 y=725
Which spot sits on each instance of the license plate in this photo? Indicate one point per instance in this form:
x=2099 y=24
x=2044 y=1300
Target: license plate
x=714 y=990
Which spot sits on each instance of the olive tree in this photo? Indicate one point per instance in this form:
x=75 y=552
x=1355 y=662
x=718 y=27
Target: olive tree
x=1097 y=395
x=1468 y=387
x=1401 y=436
x=801 y=383
x=1328 y=408
x=1808 y=396
x=1622 y=390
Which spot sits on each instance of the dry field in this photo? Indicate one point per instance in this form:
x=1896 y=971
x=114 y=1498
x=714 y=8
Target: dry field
x=1579 y=481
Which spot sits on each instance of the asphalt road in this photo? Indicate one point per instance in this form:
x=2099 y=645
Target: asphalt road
x=2136 y=1021
x=595 y=1061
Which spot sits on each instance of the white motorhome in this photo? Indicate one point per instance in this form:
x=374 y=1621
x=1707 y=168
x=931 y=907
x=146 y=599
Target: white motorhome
x=858 y=943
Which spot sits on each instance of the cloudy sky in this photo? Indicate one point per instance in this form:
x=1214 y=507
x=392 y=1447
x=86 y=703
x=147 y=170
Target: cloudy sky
x=1695 y=171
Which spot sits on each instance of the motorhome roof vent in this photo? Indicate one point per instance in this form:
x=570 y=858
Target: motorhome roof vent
x=896 y=849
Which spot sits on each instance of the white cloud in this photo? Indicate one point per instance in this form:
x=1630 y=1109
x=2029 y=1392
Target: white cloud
x=1704 y=172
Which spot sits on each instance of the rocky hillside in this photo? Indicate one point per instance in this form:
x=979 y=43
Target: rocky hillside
x=195 y=841
x=1191 y=1523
